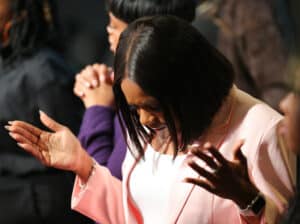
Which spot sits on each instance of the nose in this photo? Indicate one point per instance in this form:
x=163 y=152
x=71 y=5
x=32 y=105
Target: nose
x=145 y=117
x=109 y=29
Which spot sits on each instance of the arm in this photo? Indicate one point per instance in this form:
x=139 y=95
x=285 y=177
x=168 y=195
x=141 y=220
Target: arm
x=96 y=132
x=101 y=197
x=100 y=134
x=273 y=171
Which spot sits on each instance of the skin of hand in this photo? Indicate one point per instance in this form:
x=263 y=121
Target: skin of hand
x=59 y=149
x=228 y=179
x=94 y=86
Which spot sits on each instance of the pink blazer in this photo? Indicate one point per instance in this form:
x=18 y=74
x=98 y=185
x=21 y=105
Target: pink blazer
x=106 y=200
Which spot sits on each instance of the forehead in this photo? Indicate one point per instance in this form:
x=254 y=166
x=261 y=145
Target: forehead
x=134 y=93
x=114 y=20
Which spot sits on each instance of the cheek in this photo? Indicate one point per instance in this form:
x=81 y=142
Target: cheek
x=113 y=39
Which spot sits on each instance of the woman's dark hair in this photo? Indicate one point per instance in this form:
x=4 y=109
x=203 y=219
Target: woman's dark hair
x=33 y=25
x=172 y=62
x=130 y=10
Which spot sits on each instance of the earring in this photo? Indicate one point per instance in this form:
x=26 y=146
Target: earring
x=5 y=33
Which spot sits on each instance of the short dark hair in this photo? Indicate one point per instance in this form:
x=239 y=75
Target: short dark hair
x=130 y=10
x=34 y=24
x=172 y=62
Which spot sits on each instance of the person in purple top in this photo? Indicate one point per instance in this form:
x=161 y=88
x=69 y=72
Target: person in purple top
x=100 y=133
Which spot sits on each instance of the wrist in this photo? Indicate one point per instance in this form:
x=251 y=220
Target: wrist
x=245 y=199
x=244 y=194
x=83 y=166
x=254 y=207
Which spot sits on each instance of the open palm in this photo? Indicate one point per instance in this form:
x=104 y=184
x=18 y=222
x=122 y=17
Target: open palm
x=59 y=149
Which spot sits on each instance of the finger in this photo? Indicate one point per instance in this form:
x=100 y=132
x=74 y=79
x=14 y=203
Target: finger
x=25 y=134
x=79 y=90
x=29 y=146
x=201 y=171
x=91 y=76
x=237 y=152
x=206 y=158
x=50 y=123
x=215 y=153
x=201 y=183
x=21 y=125
x=112 y=76
x=104 y=73
x=81 y=79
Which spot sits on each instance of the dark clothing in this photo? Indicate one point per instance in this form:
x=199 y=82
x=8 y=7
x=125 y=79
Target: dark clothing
x=30 y=192
x=252 y=39
x=293 y=213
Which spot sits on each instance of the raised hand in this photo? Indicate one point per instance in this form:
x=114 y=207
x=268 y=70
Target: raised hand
x=59 y=149
x=94 y=85
x=227 y=179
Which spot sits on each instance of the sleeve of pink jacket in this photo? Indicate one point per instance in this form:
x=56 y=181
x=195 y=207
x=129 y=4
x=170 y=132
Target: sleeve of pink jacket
x=99 y=200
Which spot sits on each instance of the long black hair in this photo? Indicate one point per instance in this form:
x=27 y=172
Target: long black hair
x=130 y=10
x=172 y=62
x=33 y=25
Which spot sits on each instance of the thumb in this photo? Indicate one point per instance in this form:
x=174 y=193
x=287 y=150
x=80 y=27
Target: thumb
x=49 y=122
x=237 y=152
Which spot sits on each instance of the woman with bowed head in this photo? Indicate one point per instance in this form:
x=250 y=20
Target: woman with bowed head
x=199 y=149
x=100 y=132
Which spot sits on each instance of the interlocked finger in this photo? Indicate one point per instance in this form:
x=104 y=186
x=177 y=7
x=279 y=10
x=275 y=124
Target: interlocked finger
x=81 y=79
x=79 y=89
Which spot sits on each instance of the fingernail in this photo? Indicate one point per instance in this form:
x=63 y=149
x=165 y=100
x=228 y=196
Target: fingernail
x=10 y=122
x=42 y=112
x=81 y=94
x=102 y=78
x=7 y=127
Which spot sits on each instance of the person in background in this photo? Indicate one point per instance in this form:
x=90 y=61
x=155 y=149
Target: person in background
x=33 y=76
x=83 y=28
x=257 y=36
x=188 y=138
x=100 y=132
x=289 y=130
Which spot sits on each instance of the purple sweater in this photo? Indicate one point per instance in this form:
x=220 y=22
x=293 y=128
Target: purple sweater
x=101 y=135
